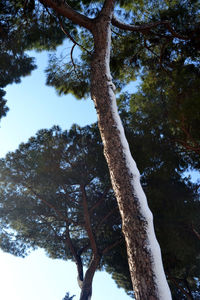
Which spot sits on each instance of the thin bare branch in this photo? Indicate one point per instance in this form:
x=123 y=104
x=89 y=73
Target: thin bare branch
x=110 y=247
x=197 y=234
x=72 y=60
x=70 y=37
x=82 y=250
x=149 y=48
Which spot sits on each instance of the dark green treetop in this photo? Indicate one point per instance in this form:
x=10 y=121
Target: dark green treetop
x=169 y=32
x=169 y=46
x=56 y=195
x=42 y=202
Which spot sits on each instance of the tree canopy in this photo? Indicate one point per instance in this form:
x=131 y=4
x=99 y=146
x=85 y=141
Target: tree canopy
x=124 y=40
x=67 y=206
x=42 y=203
x=165 y=57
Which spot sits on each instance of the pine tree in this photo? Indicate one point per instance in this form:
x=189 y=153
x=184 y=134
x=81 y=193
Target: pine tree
x=96 y=20
x=41 y=190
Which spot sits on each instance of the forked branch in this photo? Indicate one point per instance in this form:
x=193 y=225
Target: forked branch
x=69 y=36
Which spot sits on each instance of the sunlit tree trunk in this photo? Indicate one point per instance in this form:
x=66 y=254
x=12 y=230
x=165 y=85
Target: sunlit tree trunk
x=144 y=257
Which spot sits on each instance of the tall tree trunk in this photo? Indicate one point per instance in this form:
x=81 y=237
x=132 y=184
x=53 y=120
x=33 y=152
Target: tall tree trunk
x=144 y=257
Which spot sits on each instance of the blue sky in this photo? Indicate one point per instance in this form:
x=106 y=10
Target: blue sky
x=39 y=278
x=34 y=106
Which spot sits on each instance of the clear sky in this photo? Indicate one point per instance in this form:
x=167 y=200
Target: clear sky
x=34 y=106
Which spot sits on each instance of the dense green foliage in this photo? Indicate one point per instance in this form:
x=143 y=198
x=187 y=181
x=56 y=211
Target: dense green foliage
x=50 y=169
x=40 y=187
x=18 y=34
x=162 y=130
x=165 y=57
x=14 y=63
x=166 y=61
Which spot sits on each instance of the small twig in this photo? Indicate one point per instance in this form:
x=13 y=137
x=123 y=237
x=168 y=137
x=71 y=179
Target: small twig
x=70 y=37
x=197 y=234
x=73 y=63
x=158 y=57
x=106 y=217
x=118 y=34
x=82 y=250
x=71 y=55
x=100 y=200
x=174 y=33
x=149 y=49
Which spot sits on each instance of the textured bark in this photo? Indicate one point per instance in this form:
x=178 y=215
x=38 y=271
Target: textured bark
x=133 y=222
x=136 y=218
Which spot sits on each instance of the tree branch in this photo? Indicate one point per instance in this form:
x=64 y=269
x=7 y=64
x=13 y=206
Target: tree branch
x=196 y=232
x=106 y=217
x=100 y=200
x=149 y=48
x=180 y=288
x=135 y=28
x=77 y=257
x=88 y=223
x=69 y=35
x=63 y=9
x=72 y=60
x=174 y=33
x=110 y=247
x=145 y=28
